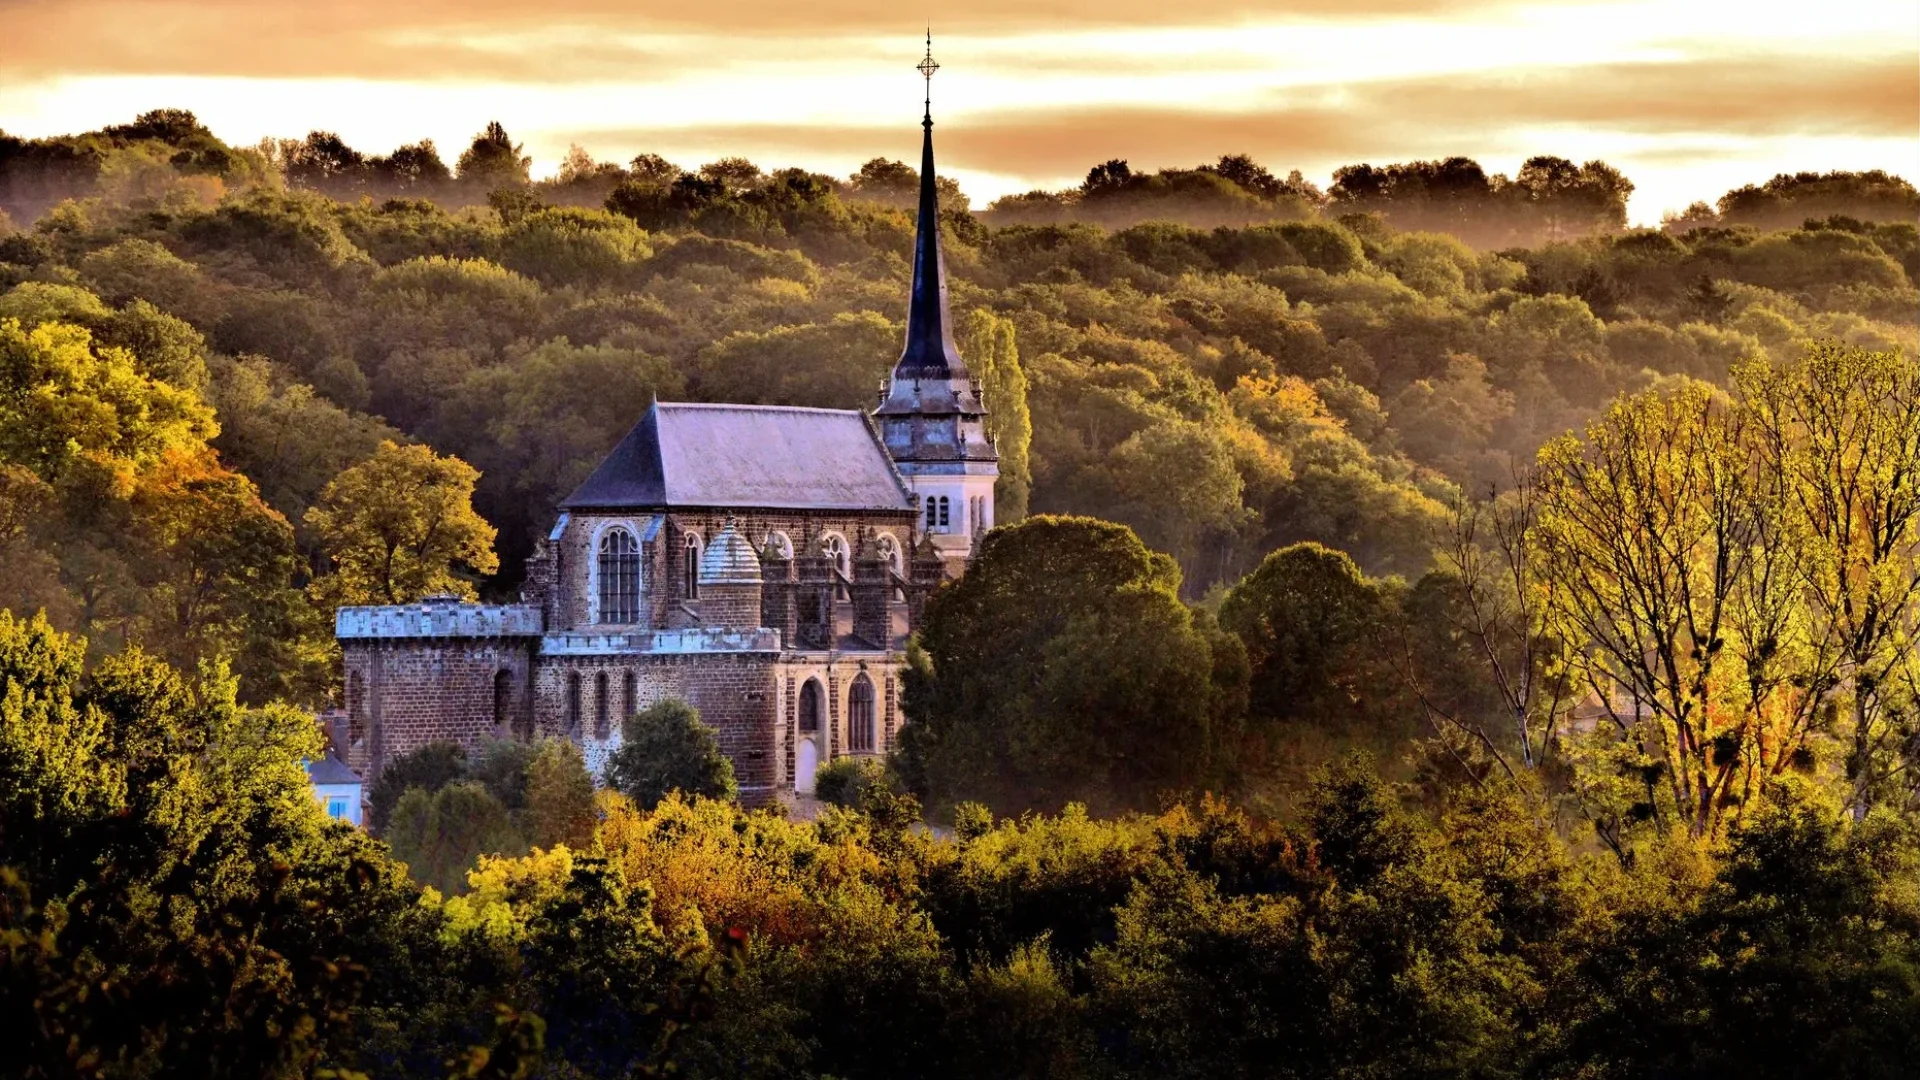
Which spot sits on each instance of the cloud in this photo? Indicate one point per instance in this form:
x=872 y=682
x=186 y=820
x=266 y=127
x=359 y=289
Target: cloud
x=1392 y=120
x=1749 y=95
x=557 y=41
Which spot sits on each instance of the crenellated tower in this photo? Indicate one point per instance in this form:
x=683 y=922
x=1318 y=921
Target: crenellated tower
x=930 y=416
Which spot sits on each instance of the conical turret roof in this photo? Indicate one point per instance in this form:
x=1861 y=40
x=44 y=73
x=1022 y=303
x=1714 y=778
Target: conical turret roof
x=729 y=559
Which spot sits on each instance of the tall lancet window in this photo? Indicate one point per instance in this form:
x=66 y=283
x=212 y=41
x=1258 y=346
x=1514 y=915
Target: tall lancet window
x=860 y=715
x=692 y=568
x=619 y=577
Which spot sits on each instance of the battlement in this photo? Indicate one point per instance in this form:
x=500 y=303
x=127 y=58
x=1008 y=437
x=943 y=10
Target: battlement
x=691 y=640
x=438 y=617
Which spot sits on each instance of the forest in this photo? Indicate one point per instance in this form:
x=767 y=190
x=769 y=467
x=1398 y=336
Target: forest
x=1437 y=630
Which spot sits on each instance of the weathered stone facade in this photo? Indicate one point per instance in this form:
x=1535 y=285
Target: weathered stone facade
x=764 y=564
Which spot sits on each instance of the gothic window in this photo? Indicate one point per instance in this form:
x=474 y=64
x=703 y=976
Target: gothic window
x=933 y=512
x=860 y=715
x=692 y=569
x=778 y=541
x=944 y=521
x=602 y=706
x=836 y=549
x=629 y=693
x=890 y=550
x=619 y=577
x=810 y=707
x=502 y=699
x=573 y=702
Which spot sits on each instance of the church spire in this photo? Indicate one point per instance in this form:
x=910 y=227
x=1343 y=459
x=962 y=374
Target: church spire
x=929 y=351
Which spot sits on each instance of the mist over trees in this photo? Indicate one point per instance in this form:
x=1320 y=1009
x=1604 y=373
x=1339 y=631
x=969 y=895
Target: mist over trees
x=1335 y=371
x=1434 y=630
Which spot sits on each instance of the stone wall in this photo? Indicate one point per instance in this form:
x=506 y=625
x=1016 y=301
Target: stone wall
x=734 y=692
x=404 y=693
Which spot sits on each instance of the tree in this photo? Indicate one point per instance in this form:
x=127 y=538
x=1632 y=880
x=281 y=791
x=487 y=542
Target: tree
x=217 y=568
x=66 y=402
x=493 y=160
x=559 y=797
x=1310 y=621
x=441 y=836
x=401 y=526
x=324 y=161
x=1061 y=667
x=414 y=167
x=991 y=350
x=1666 y=553
x=430 y=767
x=665 y=748
x=835 y=364
x=1839 y=430
x=653 y=168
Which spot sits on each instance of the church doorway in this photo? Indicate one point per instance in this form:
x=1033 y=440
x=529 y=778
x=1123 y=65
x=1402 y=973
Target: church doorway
x=806 y=762
x=806 y=751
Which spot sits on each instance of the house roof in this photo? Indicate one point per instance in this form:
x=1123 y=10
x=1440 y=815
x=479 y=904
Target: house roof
x=751 y=456
x=331 y=770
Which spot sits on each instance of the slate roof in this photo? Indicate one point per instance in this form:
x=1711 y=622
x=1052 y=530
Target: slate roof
x=331 y=770
x=758 y=456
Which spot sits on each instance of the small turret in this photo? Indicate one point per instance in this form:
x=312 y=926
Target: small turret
x=730 y=582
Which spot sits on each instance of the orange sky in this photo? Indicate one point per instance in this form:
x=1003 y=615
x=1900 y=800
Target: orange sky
x=1688 y=97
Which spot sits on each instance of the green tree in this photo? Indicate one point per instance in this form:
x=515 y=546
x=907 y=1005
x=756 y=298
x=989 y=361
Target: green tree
x=559 y=797
x=1311 y=624
x=988 y=343
x=441 y=836
x=431 y=767
x=665 y=748
x=1840 y=429
x=836 y=364
x=401 y=526
x=1062 y=666
x=493 y=160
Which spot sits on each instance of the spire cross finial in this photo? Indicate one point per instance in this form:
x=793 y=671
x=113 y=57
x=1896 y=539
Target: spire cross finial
x=927 y=68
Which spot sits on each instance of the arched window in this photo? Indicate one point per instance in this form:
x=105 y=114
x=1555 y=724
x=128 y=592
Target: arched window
x=860 y=715
x=933 y=512
x=810 y=707
x=619 y=577
x=779 y=542
x=890 y=551
x=945 y=518
x=629 y=695
x=502 y=699
x=573 y=702
x=835 y=546
x=602 y=706
x=692 y=569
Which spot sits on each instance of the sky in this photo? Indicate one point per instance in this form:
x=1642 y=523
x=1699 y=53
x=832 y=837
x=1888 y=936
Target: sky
x=1688 y=97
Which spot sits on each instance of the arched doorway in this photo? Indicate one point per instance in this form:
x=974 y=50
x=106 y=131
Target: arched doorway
x=807 y=748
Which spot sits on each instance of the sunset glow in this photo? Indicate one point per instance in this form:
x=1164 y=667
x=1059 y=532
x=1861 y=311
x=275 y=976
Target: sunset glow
x=1687 y=98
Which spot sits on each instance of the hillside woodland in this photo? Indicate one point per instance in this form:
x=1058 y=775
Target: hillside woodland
x=1436 y=630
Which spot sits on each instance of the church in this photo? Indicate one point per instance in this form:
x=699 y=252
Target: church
x=765 y=564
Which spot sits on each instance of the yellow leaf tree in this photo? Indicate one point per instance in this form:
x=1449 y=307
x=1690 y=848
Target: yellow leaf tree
x=401 y=526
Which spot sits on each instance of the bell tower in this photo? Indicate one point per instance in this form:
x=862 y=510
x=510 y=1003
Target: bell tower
x=931 y=417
